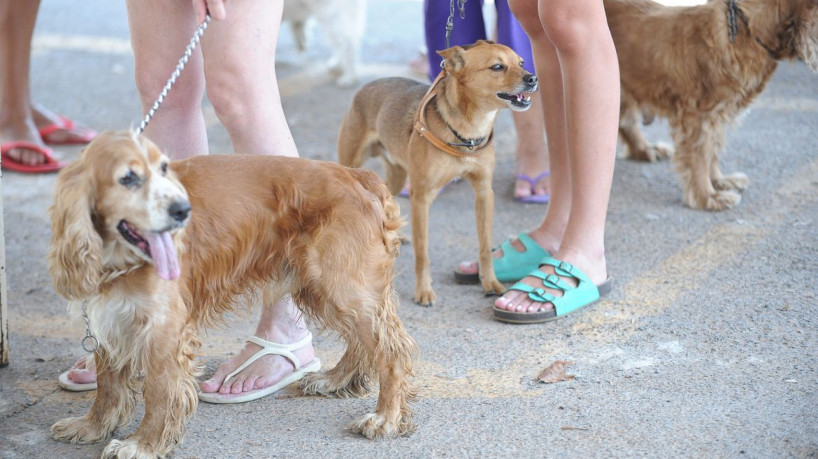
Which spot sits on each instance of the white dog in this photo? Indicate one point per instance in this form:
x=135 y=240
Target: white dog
x=343 y=22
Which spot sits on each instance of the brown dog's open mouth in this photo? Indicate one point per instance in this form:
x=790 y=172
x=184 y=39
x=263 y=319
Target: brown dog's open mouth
x=159 y=247
x=133 y=237
x=519 y=100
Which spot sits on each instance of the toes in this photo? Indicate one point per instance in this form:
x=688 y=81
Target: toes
x=469 y=267
x=210 y=385
x=250 y=384
x=82 y=376
x=227 y=387
x=502 y=302
x=237 y=386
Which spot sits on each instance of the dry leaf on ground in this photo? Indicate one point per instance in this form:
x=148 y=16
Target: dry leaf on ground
x=555 y=372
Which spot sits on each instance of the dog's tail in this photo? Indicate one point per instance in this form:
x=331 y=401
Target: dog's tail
x=392 y=220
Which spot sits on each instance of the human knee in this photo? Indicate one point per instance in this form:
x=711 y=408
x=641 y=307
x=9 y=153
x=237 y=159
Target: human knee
x=525 y=12
x=569 y=30
x=229 y=96
x=151 y=80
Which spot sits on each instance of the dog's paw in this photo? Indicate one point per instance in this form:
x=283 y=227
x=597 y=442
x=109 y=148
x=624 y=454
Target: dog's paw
x=720 y=200
x=322 y=383
x=651 y=153
x=493 y=287
x=661 y=151
x=78 y=430
x=425 y=297
x=737 y=181
x=127 y=449
x=374 y=425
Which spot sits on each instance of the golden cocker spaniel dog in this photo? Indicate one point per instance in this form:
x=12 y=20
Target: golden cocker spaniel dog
x=155 y=250
x=700 y=67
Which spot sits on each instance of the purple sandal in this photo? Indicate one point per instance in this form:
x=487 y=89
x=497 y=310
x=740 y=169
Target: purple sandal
x=533 y=198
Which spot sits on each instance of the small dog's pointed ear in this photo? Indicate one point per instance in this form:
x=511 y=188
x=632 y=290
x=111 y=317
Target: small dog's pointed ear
x=75 y=253
x=452 y=58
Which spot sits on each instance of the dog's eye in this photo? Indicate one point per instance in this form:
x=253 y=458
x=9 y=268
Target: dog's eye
x=497 y=67
x=130 y=180
x=521 y=64
x=164 y=168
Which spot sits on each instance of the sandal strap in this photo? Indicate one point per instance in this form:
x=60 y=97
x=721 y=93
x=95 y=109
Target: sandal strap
x=514 y=265
x=565 y=303
x=585 y=289
x=537 y=294
x=533 y=181
x=565 y=269
x=271 y=348
x=551 y=281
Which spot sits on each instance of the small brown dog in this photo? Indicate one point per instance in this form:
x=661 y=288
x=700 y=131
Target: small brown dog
x=323 y=233
x=438 y=133
x=700 y=67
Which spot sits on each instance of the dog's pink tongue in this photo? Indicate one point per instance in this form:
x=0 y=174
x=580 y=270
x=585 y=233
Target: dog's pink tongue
x=163 y=252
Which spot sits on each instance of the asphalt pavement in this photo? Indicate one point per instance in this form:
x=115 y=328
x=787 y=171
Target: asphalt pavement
x=705 y=348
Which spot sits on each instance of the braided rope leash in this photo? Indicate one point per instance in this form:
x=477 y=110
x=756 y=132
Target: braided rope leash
x=90 y=343
x=197 y=35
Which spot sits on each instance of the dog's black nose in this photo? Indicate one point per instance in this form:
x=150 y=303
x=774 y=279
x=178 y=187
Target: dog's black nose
x=530 y=79
x=179 y=210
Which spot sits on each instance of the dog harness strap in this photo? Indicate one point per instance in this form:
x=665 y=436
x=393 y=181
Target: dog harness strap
x=426 y=133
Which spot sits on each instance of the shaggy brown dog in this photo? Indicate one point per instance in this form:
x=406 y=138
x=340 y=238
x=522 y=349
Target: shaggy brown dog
x=323 y=233
x=438 y=133
x=700 y=67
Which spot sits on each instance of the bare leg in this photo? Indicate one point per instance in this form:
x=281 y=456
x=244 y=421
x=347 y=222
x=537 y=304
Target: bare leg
x=575 y=56
x=532 y=154
x=237 y=55
x=178 y=126
x=17 y=19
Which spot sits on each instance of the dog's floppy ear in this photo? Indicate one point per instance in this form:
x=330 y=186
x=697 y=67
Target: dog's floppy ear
x=452 y=58
x=75 y=253
x=806 y=41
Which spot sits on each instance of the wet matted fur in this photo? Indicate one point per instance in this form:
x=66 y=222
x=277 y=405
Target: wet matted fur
x=688 y=65
x=275 y=226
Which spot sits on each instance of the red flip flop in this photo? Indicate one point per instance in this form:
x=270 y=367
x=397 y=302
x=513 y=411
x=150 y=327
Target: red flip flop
x=51 y=164
x=79 y=136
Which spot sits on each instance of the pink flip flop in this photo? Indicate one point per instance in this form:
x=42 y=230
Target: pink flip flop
x=51 y=164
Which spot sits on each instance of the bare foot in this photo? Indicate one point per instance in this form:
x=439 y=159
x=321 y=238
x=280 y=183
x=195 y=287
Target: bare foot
x=473 y=267
x=518 y=301
x=22 y=131
x=526 y=186
x=262 y=373
x=54 y=129
x=83 y=371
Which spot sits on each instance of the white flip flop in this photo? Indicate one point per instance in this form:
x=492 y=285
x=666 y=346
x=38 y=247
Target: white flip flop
x=267 y=348
x=66 y=383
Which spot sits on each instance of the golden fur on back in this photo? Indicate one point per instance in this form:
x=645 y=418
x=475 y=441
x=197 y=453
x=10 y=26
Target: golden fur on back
x=680 y=63
x=273 y=226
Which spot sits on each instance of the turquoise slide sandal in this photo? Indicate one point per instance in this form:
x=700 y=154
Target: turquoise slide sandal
x=573 y=297
x=513 y=265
